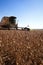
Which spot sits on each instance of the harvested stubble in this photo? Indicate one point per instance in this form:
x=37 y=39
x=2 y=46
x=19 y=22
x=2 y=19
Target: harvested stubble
x=21 y=47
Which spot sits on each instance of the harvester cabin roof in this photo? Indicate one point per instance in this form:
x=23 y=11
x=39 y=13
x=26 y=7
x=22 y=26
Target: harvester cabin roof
x=12 y=17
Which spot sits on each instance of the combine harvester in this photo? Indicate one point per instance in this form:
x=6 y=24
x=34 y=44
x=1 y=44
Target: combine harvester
x=10 y=23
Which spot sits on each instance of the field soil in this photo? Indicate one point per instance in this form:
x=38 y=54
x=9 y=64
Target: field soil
x=21 y=47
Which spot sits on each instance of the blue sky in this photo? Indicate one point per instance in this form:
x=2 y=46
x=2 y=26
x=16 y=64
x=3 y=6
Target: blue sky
x=28 y=12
